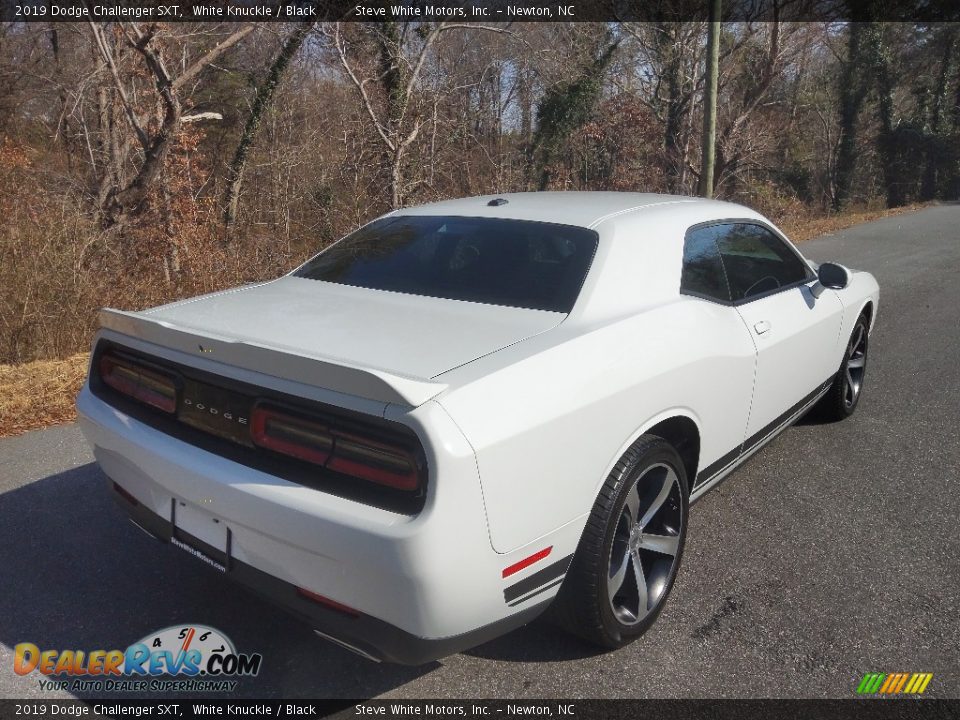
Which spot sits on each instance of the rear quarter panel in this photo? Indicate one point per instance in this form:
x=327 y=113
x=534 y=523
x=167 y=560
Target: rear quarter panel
x=548 y=426
x=549 y=417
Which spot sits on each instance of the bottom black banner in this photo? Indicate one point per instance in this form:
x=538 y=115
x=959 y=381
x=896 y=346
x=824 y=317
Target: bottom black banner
x=874 y=709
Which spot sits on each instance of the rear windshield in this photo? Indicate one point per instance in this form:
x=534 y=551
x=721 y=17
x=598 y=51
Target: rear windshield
x=488 y=260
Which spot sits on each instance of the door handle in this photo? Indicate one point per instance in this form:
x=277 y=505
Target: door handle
x=762 y=327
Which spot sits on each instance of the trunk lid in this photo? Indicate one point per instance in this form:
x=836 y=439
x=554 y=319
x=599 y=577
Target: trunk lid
x=380 y=345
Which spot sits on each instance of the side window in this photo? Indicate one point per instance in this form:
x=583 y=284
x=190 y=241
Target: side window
x=702 y=272
x=756 y=261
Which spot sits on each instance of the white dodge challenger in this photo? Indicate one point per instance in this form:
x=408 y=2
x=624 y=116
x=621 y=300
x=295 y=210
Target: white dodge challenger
x=468 y=411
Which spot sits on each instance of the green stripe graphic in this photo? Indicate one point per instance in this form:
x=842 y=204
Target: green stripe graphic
x=871 y=683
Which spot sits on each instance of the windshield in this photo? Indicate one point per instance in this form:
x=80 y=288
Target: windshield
x=488 y=260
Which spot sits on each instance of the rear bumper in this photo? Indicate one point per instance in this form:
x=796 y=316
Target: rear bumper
x=423 y=586
x=365 y=635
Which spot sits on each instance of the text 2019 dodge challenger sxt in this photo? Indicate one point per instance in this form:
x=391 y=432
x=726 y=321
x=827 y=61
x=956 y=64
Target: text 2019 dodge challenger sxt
x=466 y=411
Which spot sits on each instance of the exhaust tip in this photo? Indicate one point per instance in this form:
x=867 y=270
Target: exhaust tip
x=144 y=530
x=347 y=646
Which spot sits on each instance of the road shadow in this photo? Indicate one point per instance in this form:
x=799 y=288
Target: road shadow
x=816 y=415
x=77 y=575
x=542 y=641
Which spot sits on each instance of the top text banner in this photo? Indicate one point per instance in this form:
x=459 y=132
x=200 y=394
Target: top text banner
x=473 y=11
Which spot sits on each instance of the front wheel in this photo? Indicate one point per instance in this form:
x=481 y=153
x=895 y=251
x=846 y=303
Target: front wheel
x=628 y=557
x=844 y=394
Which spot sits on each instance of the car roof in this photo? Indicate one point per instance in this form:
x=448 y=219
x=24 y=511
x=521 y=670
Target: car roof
x=584 y=209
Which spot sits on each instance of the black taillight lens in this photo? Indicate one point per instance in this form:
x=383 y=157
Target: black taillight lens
x=375 y=461
x=354 y=454
x=144 y=384
x=290 y=434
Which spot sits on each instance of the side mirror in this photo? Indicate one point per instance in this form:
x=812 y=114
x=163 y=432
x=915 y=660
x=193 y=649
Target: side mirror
x=833 y=276
x=830 y=275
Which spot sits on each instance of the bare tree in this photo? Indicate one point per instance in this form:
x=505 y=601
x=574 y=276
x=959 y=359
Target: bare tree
x=669 y=61
x=853 y=92
x=122 y=200
x=568 y=105
x=763 y=58
x=402 y=51
x=262 y=102
x=948 y=38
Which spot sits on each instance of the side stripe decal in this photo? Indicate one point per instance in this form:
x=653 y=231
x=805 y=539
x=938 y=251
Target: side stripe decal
x=537 y=592
x=783 y=417
x=708 y=472
x=712 y=469
x=536 y=581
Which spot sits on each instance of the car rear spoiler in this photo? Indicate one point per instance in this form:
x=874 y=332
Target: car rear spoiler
x=284 y=362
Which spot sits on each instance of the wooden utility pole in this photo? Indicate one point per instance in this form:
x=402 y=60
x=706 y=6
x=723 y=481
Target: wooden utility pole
x=712 y=74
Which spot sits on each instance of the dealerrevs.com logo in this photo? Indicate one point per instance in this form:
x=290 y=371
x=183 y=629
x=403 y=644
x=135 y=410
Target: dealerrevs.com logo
x=184 y=658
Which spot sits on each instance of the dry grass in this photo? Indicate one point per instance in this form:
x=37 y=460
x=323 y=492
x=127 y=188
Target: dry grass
x=41 y=393
x=807 y=228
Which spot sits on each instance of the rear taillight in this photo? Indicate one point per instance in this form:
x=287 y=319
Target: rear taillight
x=374 y=461
x=141 y=383
x=291 y=435
x=348 y=453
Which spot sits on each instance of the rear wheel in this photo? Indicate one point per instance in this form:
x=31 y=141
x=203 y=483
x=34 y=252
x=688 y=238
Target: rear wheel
x=628 y=557
x=844 y=394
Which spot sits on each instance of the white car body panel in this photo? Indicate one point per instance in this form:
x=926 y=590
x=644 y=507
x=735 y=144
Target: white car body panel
x=521 y=413
x=521 y=427
x=315 y=540
x=406 y=335
x=399 y=337
x=557 y=207
x=785 y=327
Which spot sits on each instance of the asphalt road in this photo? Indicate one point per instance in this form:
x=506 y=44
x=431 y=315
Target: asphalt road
x=833 y=552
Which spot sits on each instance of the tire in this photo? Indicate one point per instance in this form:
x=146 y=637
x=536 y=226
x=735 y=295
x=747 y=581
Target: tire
x=842 y=398
x=600 y=600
